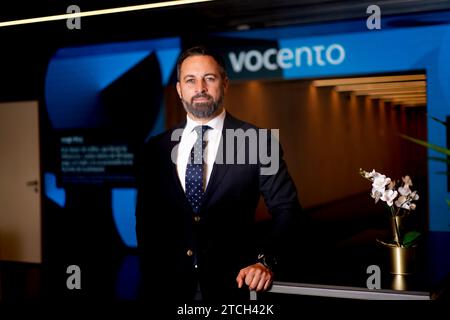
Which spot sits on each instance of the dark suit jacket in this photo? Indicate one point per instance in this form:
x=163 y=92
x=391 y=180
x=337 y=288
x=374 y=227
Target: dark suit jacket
x=223 y=239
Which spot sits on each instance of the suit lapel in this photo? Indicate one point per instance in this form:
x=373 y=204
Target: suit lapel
x=220 y=169
x=180 y=195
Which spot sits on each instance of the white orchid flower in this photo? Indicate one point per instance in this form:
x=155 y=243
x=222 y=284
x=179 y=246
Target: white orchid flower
x=376 y=195
x=407 y=180
x=406 y=198
x=400 y=201
x=405 y=190
x=388 y=190
x=380 y=182
x=391 y=185
x=372 y=174
x=406 y=205
x=389 y=196
x=414 y=195
x=403 y=202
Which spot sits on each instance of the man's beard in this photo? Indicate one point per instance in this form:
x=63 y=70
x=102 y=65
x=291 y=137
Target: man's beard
x=202 y=110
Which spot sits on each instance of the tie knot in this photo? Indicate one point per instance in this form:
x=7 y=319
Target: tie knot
x=201 y=131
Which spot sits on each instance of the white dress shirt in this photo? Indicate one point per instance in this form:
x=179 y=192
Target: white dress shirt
x=188 y=138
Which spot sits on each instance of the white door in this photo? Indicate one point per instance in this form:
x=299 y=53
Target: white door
x=20 y=208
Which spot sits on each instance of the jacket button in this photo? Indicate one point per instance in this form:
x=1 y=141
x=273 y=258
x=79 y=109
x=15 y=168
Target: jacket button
x=189 y=253
x=196 y=218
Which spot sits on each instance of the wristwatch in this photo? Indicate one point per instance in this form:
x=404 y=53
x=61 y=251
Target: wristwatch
x=268 y=262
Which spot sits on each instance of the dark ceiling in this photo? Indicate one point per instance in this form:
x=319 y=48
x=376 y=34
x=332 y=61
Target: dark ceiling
x=196 y=19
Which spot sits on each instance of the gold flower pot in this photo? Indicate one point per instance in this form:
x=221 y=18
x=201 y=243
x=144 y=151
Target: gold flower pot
x=399 y=282
x=402 y=260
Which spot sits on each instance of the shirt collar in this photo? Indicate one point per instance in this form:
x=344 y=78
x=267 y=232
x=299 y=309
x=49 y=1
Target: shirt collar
x=215 y=123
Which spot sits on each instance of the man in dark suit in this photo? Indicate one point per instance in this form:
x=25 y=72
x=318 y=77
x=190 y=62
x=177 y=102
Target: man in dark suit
x=197 y=198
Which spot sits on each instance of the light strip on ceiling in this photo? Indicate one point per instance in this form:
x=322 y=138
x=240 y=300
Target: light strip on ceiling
x=398 y=95
x=101 y=12
x=410 y=100
x=407 y=100
x=389 y=91
x=384 y=79
x=372 y=86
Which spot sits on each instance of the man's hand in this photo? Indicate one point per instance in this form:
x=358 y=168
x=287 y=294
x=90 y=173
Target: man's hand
x=256 y=277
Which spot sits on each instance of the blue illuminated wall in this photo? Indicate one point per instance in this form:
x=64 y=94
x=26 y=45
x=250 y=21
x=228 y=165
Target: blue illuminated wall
x=74 y=83
x=76 y=76
x=354 y=51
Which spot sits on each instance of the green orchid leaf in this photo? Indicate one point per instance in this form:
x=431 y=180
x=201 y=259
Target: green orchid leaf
x=448 y=204
x=410 y=238
x=427 y=144
x=439 y=159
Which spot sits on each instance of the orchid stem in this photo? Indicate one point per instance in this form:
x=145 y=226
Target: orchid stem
x=397 y=231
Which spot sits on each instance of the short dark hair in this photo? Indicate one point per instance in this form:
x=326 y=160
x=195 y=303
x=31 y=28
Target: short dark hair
x=201 y=51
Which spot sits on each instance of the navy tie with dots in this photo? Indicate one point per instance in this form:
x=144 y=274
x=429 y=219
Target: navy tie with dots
x=194 y=170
